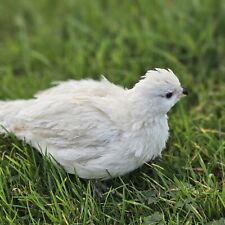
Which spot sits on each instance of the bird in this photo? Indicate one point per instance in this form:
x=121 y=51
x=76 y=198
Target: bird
x=96 y=129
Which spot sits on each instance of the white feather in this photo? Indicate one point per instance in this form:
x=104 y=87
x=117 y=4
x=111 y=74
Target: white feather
x=95 y=128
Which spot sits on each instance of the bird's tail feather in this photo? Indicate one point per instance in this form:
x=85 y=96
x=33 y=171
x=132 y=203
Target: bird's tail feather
x=8 y=113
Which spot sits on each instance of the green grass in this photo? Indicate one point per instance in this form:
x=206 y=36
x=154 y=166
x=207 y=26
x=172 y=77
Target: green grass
x=42 y=41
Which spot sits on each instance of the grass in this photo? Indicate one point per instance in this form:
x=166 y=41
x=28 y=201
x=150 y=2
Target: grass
x=42 y=41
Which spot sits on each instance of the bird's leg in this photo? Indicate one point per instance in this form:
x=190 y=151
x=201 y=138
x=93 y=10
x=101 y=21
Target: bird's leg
x=100 y=187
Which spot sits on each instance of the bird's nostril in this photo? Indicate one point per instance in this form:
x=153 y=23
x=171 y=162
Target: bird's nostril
x=185 y=91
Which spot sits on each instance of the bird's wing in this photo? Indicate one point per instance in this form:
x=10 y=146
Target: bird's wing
x=70 y=128
x=82 y=87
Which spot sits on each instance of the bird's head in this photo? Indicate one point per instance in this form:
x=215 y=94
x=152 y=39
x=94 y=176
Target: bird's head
x=160 y=89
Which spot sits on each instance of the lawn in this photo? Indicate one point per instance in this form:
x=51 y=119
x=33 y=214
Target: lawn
x=43 y=41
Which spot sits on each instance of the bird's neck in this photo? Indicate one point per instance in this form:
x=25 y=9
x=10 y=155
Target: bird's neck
x=143 y=107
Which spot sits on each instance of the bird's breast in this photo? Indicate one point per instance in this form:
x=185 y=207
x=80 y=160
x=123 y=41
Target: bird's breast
x=149 y=139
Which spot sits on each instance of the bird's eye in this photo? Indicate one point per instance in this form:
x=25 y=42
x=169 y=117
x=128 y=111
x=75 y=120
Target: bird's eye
x=169 y=94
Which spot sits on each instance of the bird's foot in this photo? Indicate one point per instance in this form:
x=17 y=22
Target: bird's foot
x=102 y=188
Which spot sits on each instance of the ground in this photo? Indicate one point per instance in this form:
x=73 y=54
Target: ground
x=43 y=41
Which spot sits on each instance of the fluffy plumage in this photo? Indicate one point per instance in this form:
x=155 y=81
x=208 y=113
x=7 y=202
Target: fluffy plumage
x=95 y=128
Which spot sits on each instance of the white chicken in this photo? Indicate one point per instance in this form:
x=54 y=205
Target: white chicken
x=95 y=128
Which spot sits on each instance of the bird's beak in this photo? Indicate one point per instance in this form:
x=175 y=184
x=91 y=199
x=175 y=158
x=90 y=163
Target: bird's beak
x=185 y=91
